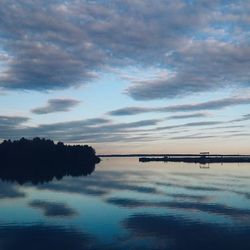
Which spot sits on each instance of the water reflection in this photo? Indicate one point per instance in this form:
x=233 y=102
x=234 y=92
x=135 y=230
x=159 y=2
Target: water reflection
x=183 y=205
x=171 y=232
x=53 y=208
x=123 y=205
x=40 y=237
x=46 y=173
x=8 y=190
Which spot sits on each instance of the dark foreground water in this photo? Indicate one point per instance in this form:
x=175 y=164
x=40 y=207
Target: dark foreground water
x=125 y=204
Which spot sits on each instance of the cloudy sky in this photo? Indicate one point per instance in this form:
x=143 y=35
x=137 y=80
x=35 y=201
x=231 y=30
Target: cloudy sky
x=127 y=76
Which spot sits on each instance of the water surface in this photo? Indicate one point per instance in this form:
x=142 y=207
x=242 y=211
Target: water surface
x=125 y=204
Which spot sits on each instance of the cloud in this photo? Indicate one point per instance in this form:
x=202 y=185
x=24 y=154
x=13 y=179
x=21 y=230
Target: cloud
x=191 y=124
x=174 y=129
x=131 y=111
x=45 y=49
x=56 y=105
x=53 y=208
x=88 y=130
x=12 y=121
x=187 y=137
x=52 y=45
x=224 y=65
x=239 y=134
x=9 y=124
x=225 y=127
x=245 y=117
x=191 y=115
x=209 y=105
x=103 y=130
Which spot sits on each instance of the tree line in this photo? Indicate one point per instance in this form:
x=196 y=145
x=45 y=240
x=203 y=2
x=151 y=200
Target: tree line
x=40 y=160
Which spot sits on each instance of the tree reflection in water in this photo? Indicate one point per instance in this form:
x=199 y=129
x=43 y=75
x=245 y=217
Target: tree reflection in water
x=41 y=160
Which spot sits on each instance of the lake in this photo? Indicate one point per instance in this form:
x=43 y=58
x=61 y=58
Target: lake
x=125 y=204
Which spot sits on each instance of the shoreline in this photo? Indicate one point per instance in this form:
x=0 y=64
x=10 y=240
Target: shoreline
x=202 y=159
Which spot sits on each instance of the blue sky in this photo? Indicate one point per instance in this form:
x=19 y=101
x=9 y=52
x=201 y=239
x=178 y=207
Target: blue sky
x=127 y=76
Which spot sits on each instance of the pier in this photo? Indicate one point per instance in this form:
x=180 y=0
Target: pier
x=199 y=158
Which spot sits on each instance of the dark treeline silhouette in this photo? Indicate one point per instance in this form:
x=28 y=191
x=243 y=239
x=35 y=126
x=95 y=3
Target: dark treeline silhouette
x=40 y=160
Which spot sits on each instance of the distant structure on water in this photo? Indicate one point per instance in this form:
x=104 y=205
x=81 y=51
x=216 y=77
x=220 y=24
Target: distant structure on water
x=202 y=158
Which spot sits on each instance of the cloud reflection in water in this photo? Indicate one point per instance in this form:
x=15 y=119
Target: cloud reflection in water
x=125 y=206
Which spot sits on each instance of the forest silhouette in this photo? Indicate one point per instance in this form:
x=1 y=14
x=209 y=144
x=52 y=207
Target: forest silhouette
x=41 y=160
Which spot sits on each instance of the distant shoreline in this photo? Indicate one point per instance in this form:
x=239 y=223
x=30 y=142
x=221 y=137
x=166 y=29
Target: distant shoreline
x=187 y=158
x=170 y=155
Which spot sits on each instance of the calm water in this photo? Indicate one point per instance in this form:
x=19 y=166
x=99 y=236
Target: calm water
x=125 y=204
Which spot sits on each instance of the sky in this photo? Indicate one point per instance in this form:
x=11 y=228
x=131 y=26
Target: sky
x=127 y=76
